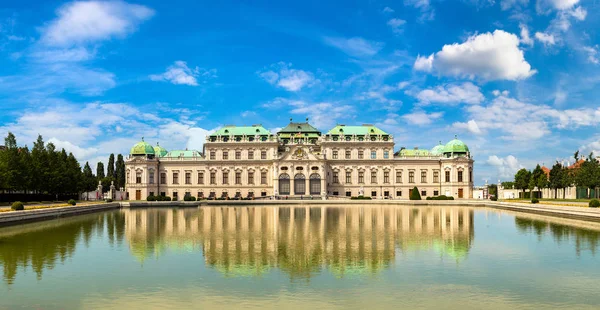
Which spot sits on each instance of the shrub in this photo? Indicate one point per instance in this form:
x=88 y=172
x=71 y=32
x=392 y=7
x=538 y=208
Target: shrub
x=415 y=195
x=440 y=197
x=594 y=203
x=151 y=198
x=494 y=198
x=108 y=200
x=360 y=198
x=17 y=206
x=189 y=198
x=535 y=200
x=72 y=202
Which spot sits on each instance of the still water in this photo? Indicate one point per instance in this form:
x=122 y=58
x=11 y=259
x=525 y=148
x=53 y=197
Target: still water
x=301 y=258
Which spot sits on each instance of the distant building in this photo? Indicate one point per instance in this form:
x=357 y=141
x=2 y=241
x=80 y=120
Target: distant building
x=297 y=162
x=2 y=147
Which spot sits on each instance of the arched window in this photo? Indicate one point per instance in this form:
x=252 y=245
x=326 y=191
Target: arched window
x=299 y=184
x=284 y=184
x=315 y=184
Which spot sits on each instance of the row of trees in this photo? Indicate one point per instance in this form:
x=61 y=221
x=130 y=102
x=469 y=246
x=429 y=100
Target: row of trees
x=46 y=170
x=585 y=173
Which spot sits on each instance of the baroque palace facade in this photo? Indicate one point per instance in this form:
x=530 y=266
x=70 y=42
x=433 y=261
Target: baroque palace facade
x=299 y=162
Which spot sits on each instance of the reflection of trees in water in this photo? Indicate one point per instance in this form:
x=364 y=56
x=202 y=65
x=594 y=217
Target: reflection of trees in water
x=300 y=241
x=43 y=245
x=584 y=238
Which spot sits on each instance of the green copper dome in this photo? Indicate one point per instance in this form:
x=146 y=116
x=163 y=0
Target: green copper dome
x=438 y=149
x=142 y=148
x=159 y=151
x=456 y=146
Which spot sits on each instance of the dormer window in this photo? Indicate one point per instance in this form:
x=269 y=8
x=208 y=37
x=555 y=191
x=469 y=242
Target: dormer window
x=372 y=130
x=226 y=131
x=257 y=130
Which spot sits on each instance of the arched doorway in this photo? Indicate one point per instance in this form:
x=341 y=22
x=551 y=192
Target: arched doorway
x=299 y=184
x=315 y=184
x=284 y=184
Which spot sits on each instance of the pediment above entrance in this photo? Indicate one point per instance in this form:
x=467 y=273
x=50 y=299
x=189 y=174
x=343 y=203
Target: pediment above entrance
x=300 y=153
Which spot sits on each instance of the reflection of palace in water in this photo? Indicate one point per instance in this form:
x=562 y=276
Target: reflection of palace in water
x=300 y=240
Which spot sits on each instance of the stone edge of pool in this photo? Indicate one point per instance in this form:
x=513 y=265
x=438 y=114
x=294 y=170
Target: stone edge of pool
x=16 y=217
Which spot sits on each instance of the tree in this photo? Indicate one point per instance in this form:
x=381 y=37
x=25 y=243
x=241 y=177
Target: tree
x=89 y=180
x=588 y=174
x=100 y=171
x=414 y=194
x=522 y=180
x=556 y=178
x=567 y=179
x=508 y=184
x=120 y=172
x=110 y=169
x=493 y=190
x=39 y=163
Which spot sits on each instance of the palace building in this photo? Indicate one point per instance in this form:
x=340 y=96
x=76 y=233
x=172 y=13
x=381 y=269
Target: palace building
x=299 y=161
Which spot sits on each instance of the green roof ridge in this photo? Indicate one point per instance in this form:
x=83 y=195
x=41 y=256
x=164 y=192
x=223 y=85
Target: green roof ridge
x=356 y=130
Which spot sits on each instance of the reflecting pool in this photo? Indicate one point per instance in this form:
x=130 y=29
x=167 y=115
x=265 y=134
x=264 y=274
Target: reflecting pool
x=371 y=257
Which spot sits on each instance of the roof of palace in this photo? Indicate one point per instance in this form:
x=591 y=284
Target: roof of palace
x=142 y=148
x=438 y=149
x=232 y=130
x=159 y=150
x=365 y=129
x=183 y=154
x=414 y=152
x=299 y=127
x=456 y=146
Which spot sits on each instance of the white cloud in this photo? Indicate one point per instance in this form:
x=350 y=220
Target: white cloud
x=507 y=166
x=282 y=75
x=357 y=47
x=562 y=4
x=424 y=6
x=91 y=21
x=15 y=38
x=179 y=73
x=471 y=126
x=578 y=13
x=421 y=118
x=396 y=24
x=525 y=38
x=248 y=114
x=451 y=94
x=61 y=55
x=322 y=115
x=387 y=9
x=77 y=151
x=508 y=4
x=489 y=56
x=497 y=93
x=559 y=97
x=424 y=63
x=546 y=38
x=592 y=53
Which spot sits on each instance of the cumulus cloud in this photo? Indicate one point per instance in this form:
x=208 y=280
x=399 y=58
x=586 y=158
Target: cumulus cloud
x=525 y=38
x=470 y=126
x=546 y=38
x=508 y=4
x=488 y=56
x=451 y=94
x=90 y=21
x=282 y=75
x=424 y=6
x=592 y=54
x=180 y=74
x=396 y=24
x=507 y=166
x=424 y=63
x=421 y=118
x=357 y=47
x=321 y=114
x=562 y=4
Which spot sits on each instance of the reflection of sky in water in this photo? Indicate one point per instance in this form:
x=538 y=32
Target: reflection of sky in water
x=285 y=257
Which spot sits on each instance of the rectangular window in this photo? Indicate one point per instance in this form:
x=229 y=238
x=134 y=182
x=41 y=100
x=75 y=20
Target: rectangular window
x=398 y=193
x=225 y=177
x=263 y=194
x=335 y=177
x=175 y=178
x=213 y=178
x=151 y=193
x=423 y=176
x=447 y=176
x=411 y=177
x=361 y=177
x=335 y=154
x=213 y=156
x=348 y=154
x=151 y=178
x=263 y=154
x=423 y=193
x=386 y=194
x=470 y=176
x=200 y=177
x=250 y=177
x=200 y=195
x=361 y=154
x=348 y=177
x=386 y=154
x=460 y=178
x=436 y=177
x=386 y=177
x=138 y=178
x=238 y=178
x=436 y=193
x=175 y=196
x=373 y=177
x=188 y=178
x=163 y=178
x=238 y=155
x=250 y=154
x=263 y=177
x=348 y=194
x=373 y=193
x=225 y=155
x=336 y=193
x=373 y=154
x=398 y=176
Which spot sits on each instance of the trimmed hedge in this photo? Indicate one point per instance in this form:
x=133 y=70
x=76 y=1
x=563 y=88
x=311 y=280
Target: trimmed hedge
x=151 y=198
x=494 y=198
x=189 y=198
x=72 y=202
x=594 y=203
x=17 y=206
x=440 y=197
x=415 y=195
x=535 y=200
x=360 y=198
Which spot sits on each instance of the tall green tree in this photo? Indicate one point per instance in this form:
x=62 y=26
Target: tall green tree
x=120 y=172
x=89 y=180
x=556 y=178
x=100 y=171
x=522 y=180
x=537 y=179
x=508 y=184
x=39 y=163
x=12 y=176
x=110 y=169
x=588 y=174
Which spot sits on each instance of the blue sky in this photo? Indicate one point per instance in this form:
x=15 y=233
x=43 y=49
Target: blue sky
x=517 y=80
